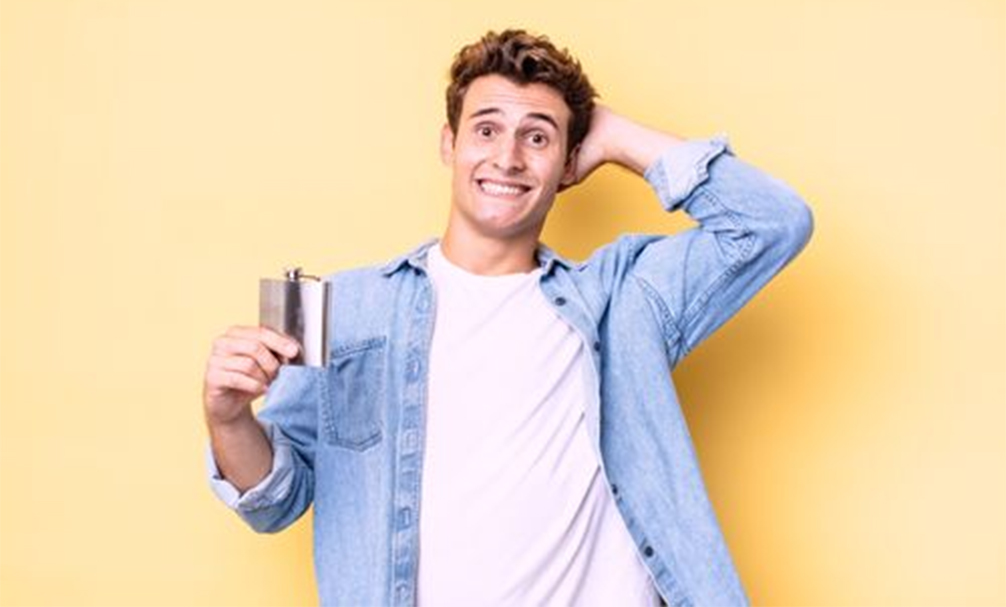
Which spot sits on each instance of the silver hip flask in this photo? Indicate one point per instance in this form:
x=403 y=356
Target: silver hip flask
x=297 y=306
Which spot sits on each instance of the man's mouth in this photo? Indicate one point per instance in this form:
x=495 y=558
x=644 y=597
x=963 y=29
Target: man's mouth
x=497 y=188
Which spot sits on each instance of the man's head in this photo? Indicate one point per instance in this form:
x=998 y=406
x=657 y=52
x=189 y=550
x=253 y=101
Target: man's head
x=523 y=59
x=517 y=111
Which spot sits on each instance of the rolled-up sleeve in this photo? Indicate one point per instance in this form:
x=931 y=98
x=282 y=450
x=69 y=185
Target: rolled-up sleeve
x=684 y=167
x=273 y=488
x=750 y=225
x=289 y=418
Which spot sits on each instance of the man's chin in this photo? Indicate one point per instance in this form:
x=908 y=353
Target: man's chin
x=511 y=231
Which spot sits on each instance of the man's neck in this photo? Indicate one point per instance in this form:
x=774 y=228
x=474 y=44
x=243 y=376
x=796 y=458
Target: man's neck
x=489 y=256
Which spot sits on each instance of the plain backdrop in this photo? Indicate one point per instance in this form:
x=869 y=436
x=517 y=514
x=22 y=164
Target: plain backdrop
x=158 y=157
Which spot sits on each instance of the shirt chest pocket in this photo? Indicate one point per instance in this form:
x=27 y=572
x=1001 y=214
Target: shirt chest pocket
x=351 y=412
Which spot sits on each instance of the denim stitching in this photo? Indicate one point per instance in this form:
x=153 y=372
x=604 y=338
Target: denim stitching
x=332 y=431
x=366 y=344
x=668 y=325
x=746 y=243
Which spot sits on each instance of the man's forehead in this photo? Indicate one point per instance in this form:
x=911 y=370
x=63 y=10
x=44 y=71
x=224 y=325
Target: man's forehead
x=496 y=95
x=532 y=115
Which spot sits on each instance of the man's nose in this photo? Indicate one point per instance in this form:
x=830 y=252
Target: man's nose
x=509 y=156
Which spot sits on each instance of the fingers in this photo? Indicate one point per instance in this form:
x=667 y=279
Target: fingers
x=244 y=365
x=277 y=342
x=227 y=395
x=244 y=359
x=243 y=362
x=221 y=378
x=259 y=344
x=245 y=356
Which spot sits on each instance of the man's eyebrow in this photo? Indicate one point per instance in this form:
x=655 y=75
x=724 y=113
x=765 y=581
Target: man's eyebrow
x=486 y=110
x=537 y=115
x=546 y=118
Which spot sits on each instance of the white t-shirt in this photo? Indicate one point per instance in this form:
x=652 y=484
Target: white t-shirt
x=515 y=509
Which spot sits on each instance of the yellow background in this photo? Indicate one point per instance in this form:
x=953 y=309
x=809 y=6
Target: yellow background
x=159 y=157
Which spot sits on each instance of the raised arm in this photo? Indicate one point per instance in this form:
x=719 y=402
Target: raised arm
x=750 y=225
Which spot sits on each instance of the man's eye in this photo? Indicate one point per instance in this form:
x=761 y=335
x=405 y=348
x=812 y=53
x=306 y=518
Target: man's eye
x=538 y=139
x=485 y=131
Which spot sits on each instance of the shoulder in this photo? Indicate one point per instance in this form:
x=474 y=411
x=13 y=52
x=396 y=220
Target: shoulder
x=367 y=302
x=384 y=273
x=379 y=289
x=613 y=261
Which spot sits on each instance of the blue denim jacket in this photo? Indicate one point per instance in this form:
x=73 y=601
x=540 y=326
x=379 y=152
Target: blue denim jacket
x=349 y=438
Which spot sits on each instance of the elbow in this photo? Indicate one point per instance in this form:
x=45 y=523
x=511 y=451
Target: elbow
x=268 y=520
x=265 y=520
x=800 y=225
x=792 y=227
x=273 y=515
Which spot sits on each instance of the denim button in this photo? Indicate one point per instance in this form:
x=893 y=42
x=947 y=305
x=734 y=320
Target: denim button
x=403 y=570
x=412 y=371
x=648 y=551
x=597 y=346
x=560 y=301
x=614 y=489
x=404 y=518
x=411 y=417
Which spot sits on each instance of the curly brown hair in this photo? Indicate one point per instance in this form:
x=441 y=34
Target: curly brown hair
x=523 y=58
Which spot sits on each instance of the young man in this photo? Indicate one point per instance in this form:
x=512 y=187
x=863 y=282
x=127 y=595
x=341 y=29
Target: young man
x=497 y=425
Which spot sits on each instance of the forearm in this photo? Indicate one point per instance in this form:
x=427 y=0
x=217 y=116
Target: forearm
x=633 y=145
x=242 y=451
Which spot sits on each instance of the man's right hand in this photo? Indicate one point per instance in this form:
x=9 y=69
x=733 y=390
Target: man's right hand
x=616 y=138
x=242 y=364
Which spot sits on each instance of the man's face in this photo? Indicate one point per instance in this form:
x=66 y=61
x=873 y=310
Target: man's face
x=508 y=158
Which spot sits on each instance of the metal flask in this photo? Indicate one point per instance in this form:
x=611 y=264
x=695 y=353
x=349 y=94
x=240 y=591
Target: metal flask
x=297 y=306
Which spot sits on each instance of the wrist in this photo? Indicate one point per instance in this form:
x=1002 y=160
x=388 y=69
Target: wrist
x=636 y=147
x=233 y=424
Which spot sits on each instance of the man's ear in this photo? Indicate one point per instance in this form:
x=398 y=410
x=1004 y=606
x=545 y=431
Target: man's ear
x=446 y=145
x=569 y=171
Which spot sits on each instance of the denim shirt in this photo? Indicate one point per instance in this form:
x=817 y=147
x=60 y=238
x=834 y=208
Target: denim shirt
x=349 y=437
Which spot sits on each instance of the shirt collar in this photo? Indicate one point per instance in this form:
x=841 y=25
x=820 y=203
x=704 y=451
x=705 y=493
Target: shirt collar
x=547 y=259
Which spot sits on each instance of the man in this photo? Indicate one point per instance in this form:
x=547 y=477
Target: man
x=497 y=425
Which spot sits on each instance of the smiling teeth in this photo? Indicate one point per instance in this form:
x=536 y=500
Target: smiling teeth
x=499 y=189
